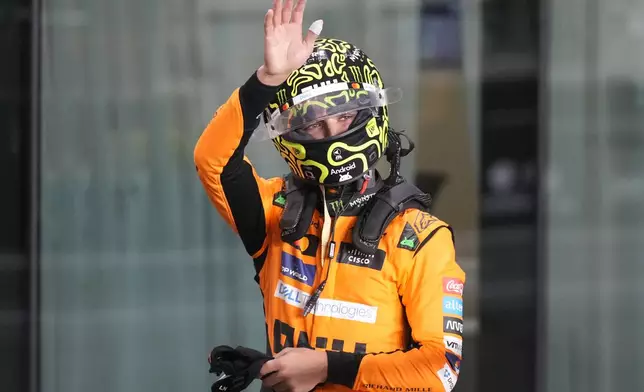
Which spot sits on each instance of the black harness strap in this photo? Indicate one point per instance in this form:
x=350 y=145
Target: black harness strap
x=298 y=210
x=388 y=203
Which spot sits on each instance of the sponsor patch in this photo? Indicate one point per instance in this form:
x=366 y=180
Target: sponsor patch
x=279 y=199
x=362 y=200
x=422 y=221
x=308 y=245
x=372 y=128
x=337 y=154
x=453 y=325
x=447 y=377
x=343 y=169
x=454 y=362
x=452 y=305
x=394 y=388
x=408 y=239
x=453 y=286
x=454 y=344
x=297 y=269
x=350 y=255
x=336 y=205
x=327 y=307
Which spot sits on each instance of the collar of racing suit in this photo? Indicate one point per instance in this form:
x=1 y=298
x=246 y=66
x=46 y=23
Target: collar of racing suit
x=346 y=200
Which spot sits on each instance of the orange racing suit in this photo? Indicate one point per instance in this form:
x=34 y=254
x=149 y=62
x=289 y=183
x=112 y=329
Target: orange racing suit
x=389 y=321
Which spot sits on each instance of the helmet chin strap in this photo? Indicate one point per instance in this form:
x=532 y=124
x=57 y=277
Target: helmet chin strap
x=362 y=183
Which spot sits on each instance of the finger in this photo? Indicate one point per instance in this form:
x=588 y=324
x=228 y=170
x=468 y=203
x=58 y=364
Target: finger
x=268 y=23
x=286 y=12
x=314 y=32
x=298 y=13
x=284 y=351
x=273 y=379
x=268 y=368
x=277 y=14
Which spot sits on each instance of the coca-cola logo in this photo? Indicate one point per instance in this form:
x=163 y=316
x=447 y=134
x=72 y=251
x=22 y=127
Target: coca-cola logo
x=453 y=286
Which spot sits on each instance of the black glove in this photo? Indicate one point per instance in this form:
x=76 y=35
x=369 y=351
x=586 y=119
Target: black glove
x=237 y=367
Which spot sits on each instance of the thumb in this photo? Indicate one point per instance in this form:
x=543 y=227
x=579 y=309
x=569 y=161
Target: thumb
x=314 y=32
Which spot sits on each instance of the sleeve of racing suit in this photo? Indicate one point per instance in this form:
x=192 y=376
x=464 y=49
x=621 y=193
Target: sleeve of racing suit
x=429 y=366
x=239 y=194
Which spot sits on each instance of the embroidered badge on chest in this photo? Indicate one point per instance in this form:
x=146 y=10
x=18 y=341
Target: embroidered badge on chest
x=350 y=255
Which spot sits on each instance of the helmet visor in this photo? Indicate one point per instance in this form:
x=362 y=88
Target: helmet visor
x=308 y=109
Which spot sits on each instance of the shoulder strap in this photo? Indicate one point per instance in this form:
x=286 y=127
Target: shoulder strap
x=298 y=209
x=388 y=203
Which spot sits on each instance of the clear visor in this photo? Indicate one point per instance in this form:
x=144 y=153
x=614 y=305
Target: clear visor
x=308 y=110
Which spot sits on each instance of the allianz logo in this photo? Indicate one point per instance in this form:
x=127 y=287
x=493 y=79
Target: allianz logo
x=343 y=169
x=454 y=304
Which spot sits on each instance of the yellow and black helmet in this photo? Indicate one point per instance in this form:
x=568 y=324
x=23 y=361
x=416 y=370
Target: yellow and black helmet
x=337 y=81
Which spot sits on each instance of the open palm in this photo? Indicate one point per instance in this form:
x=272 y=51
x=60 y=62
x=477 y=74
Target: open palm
x=284 y=48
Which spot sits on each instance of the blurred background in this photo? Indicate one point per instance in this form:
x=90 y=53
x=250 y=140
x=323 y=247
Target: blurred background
x=116 y=274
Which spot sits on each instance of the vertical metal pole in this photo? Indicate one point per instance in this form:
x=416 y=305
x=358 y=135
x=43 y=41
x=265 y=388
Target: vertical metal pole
x=34 y=198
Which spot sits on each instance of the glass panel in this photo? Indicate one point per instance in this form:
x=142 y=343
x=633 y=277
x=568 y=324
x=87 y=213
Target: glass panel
x=140 y=276
x=595 y=211
x=447 y=145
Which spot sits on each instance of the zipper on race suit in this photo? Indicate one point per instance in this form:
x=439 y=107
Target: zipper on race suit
x=328 y=244
x=327 y=251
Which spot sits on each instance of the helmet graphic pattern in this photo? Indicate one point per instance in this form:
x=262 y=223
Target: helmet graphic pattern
x=344 y=158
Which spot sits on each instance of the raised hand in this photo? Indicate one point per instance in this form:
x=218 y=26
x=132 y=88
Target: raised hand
x=285 y=50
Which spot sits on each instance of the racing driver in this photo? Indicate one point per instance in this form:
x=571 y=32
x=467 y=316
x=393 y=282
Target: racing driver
x=360 y=284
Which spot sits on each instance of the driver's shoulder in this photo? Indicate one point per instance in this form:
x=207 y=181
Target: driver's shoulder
x=411 y=229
